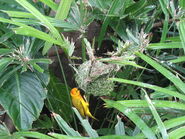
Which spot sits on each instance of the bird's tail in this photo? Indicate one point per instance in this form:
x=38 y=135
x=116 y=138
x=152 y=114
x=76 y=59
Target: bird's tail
x=90 y=115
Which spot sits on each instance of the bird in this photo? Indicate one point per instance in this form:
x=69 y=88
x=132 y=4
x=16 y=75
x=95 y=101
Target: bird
x=80 y=103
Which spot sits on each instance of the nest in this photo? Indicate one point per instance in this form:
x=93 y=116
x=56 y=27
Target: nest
x=92 y=77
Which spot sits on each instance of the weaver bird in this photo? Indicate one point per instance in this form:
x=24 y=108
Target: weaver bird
x=80 y=103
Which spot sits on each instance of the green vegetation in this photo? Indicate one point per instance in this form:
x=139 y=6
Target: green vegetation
x=126 y=55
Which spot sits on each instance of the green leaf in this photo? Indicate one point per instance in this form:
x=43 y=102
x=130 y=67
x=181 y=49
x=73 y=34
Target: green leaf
x=64 y=126
x=154 y=87
x=164 y=6
x=41 y=60
x=61 y=136
x=160 y=124
x=132 y=116
x=119 y=127
x=22 y=96
x=174 y=122
x=9 y=72
x=85 y=123
x=182 y=4
x=61 y=13
x=118 y=137
x=169 y=124
x=27 y=30
x=54 y=32
x=114 y=5
x=4 y=51
x=181 y=28
x=59 y=98
x=4 y=62
x=177 y=133
x=36 y=33
x=63 y=9
x=6 y=36
x=50 y=4
x=157 y=103
x=32 y=134
x=4 y=132
x=18 y=14
x=37 y=67
x=134 y=8
x=40 y=17
x=178 y=60
x=122 y=62
x=170 y=45
x=174 y=79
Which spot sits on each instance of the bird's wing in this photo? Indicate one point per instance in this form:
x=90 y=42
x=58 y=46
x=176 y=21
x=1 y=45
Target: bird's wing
x=78 y=105
x=85 y=99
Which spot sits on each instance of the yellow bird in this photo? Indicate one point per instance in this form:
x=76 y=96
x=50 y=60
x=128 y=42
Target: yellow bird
x=80 y=104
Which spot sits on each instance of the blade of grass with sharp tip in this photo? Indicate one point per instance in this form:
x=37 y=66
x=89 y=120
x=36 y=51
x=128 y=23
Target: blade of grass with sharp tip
x=64 y=126
x=174 y=79
x=157 y=118
x=50 y=4
x=91 y=132
x=181 y=28
x=154 y=87
x=132 y=116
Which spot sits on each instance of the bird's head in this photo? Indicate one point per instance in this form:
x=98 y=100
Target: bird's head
x=75 y=92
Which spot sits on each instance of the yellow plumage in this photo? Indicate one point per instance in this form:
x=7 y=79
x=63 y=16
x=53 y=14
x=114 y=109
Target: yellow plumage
x=80 y=104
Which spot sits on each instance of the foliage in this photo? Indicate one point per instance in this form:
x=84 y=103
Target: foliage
x=139 y=76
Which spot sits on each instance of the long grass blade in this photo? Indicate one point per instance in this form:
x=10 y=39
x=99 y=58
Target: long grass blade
x=157 y=118
x=132 y=116
x=181 y=28
x=174 y=79
x=178 y=60
x=178 y=133
x=63 y=9
x=107 y=20
x=32 y=134
x=170 y=45
x=65 y=127
x=154 y=87
x=91 y=132
x=40 y=17
x=172 y=123
x=61 y=13
x=157 y=103
x=50 y=4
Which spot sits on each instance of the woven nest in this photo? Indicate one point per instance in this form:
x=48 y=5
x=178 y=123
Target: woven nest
x=92 y=77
